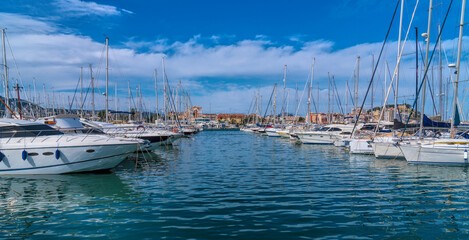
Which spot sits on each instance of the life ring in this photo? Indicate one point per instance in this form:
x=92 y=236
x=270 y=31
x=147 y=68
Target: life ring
x=175 y=130
x=141 y=127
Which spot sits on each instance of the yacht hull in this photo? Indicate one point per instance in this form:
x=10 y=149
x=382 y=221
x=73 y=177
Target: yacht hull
x=432 y=154
x=71 y=159
x=272 y=133
x=317 y=138
x=387 y=150
x=361 y=146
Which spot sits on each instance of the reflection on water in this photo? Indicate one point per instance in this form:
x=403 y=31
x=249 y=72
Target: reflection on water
x=46 y=204
x=221 y=185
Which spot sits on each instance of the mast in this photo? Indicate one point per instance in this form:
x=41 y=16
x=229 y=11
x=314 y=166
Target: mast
x=81 y=92
x=328 y=98
x=5 y=72
x=130 y=104
x=36 y=98
x=45 y=103
x=92 y=93
x=356 y=87
x=358 y=78
x=396 y=92
x=416 y=64
x=115 y=98
x=53 y=101
x=275 y=102
x=164 y=90
x=310 y=93
x=257 y=104
x=458 y=63
x=284 y=87
x=427 y=36
x=440 y=74
x=317 y=102
x=141 y=104
x=107 y=79
x=346 y=97
x=156 y=93
x=372 y=83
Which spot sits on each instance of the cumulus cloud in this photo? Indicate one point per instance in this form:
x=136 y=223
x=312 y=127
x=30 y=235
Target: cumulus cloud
x=216 y=75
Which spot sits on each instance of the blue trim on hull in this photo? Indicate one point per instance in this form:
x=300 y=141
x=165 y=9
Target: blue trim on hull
x=64 y=164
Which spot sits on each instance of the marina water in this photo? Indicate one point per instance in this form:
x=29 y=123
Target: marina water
x=235 y=185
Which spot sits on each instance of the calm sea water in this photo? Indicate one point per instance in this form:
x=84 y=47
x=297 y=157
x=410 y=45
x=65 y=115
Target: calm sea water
x=235 y=185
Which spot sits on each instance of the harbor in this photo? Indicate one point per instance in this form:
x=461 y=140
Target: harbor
x=118 y=123
x=204 y=188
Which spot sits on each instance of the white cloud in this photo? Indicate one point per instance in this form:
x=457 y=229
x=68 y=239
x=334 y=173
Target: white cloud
x=84 y=8
x=17 y=23
x=225 y=76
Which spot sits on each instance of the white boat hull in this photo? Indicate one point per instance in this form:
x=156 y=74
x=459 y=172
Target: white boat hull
x=72 y=159
x=434 y=154
x=387 y=150
x=361 y=146
x=272 y=133
x=316 y=138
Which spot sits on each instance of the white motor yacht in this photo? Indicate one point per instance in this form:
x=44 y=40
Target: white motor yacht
x=324 y=135
x=35 y=148
x=156 y=136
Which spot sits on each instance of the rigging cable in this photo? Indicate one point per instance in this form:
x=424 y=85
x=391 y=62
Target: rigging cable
x=377 y=63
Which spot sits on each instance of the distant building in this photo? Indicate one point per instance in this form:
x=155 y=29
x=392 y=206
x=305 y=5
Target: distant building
x=211 y=116
x=318 y=118
x=229 y=117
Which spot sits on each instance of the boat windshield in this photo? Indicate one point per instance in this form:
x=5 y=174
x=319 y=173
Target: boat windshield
x=27 y=131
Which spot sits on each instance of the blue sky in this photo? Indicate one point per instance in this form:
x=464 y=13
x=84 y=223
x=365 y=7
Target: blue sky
x=222 y=51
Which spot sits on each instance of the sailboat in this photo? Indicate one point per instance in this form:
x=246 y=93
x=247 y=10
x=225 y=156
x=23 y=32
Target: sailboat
x=443 y=151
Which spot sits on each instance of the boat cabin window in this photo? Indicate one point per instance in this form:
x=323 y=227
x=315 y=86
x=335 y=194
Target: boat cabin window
x=335 y=130
x=27 y=131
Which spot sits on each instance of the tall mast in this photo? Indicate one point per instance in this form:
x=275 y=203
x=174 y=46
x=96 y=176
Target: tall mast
x=81 y=92
x=346 y=96
x=115 y=98
x=427 y=36
x=458 y=63
x=130 y=104
x=92 y=93
x=372 y=67
x=36 y=98
x=141 y=104
x=5 y=72
x=317 y=102
x=310 y=92
x=164 y=90
x=284 y=87
x=328 y=98
x=440 y=74
x=257 y=105
x=45 y=103
x=53 y=101
x=156 y=93
x=356 y=87
x=275 y=102
x=107 y=79
x=416 y=64
x=396 y=91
